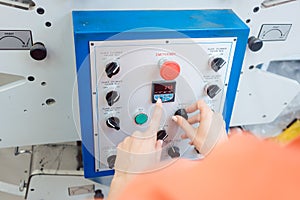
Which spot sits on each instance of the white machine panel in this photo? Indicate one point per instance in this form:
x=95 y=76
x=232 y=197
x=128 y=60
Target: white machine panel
x=139 y=70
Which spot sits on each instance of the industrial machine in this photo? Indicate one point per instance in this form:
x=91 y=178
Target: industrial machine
x=87 y=74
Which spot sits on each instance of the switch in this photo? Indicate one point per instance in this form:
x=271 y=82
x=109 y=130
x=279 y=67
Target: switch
x=169 y=70
x=112 y=69
x=111 y=161
x=198 y=152
x=162 y=135
x=112 y=97
x=254 y=43
x=181 y=112
x=38 y=51
x=212 y=90
x=173 y=152
x=113 y=122
x=141 y=118
x=216 y=63
x=98 y=195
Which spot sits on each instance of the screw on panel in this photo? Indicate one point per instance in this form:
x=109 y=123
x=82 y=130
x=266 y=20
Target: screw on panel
x=30 y=78
x=40 y=11
x=50 y=101
x=48 y=24
x=256 y=9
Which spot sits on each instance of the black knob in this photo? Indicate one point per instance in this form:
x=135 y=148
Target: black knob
x=98 y=195
x=198 y=152
x=112 y=69
x=174 y=152
x=38 y=51
x=113 y=122
x=112 y=97
x=217 y=63
x=254 y=43
x=212 y=90
x=182 y=113
x=111 y=161
x=162 y=135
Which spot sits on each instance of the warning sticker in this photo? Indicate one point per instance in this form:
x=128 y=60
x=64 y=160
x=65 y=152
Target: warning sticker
x=15 y=39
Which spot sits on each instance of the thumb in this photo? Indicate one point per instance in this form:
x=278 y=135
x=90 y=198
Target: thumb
x=158 y=148
x=185 y=125
x=158 y=144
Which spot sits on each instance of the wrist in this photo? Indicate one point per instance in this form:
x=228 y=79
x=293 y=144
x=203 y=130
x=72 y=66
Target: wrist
x=118 y=183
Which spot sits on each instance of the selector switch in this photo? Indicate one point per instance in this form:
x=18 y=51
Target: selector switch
x=162 y=135
x=181 y=112
x=113 y=122
x=112 y=69
x=111 y=161
x=212 y=90
x=98 y=195
x=112 y=97
x=198 y=152
x=216 y=63
x=141 y=118
x=174 y=152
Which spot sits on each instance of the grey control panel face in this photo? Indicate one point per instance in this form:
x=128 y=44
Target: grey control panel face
x=127 y=77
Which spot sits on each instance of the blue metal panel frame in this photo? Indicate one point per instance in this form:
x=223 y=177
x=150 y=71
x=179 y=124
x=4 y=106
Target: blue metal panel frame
x=101 y=25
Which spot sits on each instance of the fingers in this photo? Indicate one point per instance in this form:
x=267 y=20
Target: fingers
x=194 y=119
x=198 y=105
x=184 y=124
x=125 y=143
x=184 y=136
x=155 y=119
x=159 y=144
x=201 y=106
x=205 y=114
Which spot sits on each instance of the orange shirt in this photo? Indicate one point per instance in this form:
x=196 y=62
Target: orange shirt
x=242 y=168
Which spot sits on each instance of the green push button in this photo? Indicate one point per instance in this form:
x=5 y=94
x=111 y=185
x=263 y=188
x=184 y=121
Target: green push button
x=141 y=118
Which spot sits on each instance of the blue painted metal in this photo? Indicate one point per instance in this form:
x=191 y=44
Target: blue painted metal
x=148 y=24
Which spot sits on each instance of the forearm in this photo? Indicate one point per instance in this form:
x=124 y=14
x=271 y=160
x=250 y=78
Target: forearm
x=119 y=182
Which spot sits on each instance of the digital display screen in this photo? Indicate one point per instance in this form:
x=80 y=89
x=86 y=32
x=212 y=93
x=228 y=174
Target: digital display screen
x=163 y=90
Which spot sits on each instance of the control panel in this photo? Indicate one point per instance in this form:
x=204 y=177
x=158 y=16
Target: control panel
x=127 y=78
x=123 y=68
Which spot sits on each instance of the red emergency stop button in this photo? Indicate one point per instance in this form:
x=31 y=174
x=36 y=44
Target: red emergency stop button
x=169 y=70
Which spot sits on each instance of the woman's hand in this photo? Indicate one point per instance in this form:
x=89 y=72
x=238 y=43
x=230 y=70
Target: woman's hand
x=211 y=129
x=141 y=150
x=137 y=153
